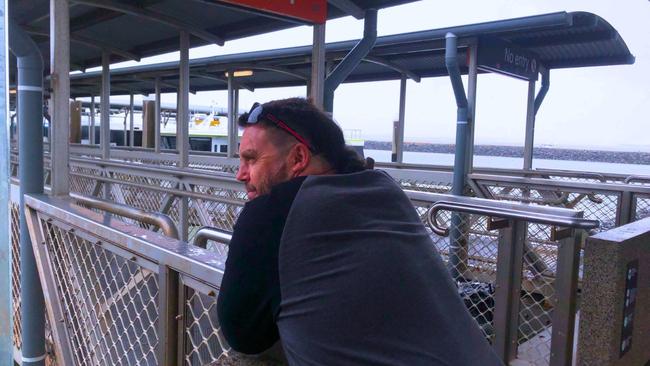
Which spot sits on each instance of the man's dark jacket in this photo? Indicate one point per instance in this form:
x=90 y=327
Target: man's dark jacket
x=342 y=270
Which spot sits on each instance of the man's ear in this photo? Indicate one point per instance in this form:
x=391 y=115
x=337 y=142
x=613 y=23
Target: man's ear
x=299 y=159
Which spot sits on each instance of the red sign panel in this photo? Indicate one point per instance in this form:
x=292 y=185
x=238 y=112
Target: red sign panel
x=313 y=11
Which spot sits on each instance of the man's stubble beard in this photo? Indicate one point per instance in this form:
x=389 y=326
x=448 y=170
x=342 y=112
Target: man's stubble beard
x=280 y=176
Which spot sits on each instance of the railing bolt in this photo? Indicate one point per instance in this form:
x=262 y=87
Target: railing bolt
x=179 y=317
x=49 y=220
x=61 y=320
x=211 y=293
x=134 y=258
x=98 y=242
x=71 y=231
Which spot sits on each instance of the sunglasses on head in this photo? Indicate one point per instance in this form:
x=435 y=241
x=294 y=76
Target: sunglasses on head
x=257 y=113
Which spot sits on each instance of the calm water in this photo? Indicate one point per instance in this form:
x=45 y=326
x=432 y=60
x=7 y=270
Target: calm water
x=513 y=163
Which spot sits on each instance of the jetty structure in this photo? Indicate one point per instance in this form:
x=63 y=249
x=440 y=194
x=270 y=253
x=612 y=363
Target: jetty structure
x=116 y=251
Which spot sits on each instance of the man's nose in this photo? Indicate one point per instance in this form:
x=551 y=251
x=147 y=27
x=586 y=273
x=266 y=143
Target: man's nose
x=242 y=174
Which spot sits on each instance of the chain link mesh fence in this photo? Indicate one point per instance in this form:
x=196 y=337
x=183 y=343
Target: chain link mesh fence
x=642 y=207
x=204 y=343
x=110 y=302
x=15 y=273
x=597 y=206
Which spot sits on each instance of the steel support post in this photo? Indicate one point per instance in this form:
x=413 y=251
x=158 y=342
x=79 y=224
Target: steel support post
x=6 y=321
x=182 y=126
x=317 y=81
x=625 y=212
x=530 y=126
x=60 y=81
x=564 y=311
x=156 y=117
x=351 y=60
x=131 y=130
x=168 y=325
x=457 y=263
x=105 y=121
x=472 y=80
x=29 y=104
x=232 y=123
x=399 y=129
x=508 y=290
x=91 y=128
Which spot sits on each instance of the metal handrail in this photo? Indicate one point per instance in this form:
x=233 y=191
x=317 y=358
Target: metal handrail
x=164 y=222
x=637 y=178
x=211 y=233
x=504 y=213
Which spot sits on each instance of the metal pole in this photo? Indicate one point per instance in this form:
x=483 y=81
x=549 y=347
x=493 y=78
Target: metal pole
x=132 y=132
x=105 y=121
x=182 y=124
x=317 y=81
x=472 y=79
x=399 y=132
x=91 y=129
x=507 y=291
x=232 y=123
x=530 y=126
x=6 y=321
x=457 y=239
x=60 y=80
x=29 y=100
x=156 y=117
x=351 y=60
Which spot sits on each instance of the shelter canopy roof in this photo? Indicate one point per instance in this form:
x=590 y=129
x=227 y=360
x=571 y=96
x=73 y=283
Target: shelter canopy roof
x=132 y=30
x=560 y=40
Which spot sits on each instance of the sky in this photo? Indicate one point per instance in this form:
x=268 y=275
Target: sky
x=589 y=108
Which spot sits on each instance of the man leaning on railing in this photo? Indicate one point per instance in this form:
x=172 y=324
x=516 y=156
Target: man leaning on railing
x=332 y=259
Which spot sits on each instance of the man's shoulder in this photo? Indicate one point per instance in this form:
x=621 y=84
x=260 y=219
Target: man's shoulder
x=276 y=201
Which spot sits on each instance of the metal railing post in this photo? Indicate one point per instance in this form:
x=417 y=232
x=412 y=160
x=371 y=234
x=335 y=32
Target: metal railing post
x=169 y=318
x=624 y=211
x=564 y=311
x=508 y=288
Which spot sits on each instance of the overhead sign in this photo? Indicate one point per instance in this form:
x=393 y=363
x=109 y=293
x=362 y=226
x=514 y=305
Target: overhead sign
x=501 y=57
x=312 y=11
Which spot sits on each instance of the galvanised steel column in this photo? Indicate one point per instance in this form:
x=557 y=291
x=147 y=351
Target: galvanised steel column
x=457 y=242
x=131 y=131
x=317 y=80
x=399 y=131
x=530 y=126
x=6 y=321
x=182 y=125
x=91 y=128
x=472 y=80
x=60 y=106
x=156 y=127
x=29 y=100
x=351 y=60
x=232 y=123
x=533 y=107
x=104 y=110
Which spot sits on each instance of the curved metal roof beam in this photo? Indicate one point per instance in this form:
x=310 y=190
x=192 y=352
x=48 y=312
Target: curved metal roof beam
x=278 y=69
x=393 y=66
x=145 y=80
x=89 y=42
x=217 y=78
x=348 y=7
x=153 y=16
